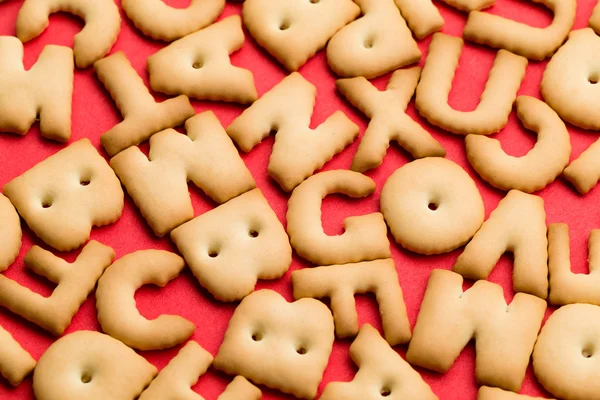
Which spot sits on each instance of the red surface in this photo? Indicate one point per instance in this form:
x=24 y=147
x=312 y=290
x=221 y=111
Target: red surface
x=94 y=113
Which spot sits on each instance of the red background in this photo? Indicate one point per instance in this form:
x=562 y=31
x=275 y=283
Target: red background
x=94 y=113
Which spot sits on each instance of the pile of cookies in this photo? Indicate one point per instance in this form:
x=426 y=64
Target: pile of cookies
x=430 y=206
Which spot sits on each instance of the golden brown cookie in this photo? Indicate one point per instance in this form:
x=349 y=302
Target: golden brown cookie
x=469 y=5
x=10 y=233
x=15 y=362
x=422 y=17
x=490 y=393
x=594 y=21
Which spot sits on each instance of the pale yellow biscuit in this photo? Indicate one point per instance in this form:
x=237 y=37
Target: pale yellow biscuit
x=469 y=5
x=293 y=31
x=286 y=110
x=160 y=21
x=10 y=233
x=490 y=393
x=117 y=311
x=539 y=167
x=594 y=21
x=381 y=373
x=522 y=39
x=373 y=45
x=198 y=65
x=504 y=333
x=364 y=237
x=92 y=366
x=388 y=119
x=431 y=206
x=15 y=362
x=240 y=388
x=517 y=225
x=495 y=105
x=158 y=183
x=422 y=17
x=102 y=25
x=44 y=91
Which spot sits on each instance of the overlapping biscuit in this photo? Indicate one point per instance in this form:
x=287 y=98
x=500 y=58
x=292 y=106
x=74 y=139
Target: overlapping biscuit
x=470 y=5
x=373 y=45
x=504 y=333
x=340 y=283
x=44 y=91
x=539 y=167
x=516 y=37
x=364 y=237
x=490 y=393
x=282 y=345
x=422 y=17
x=117 y=311
x=142 y=116
x=388 y=120
x=198 y=65
x=491 y=115
x=74 y=282
x=10 y=233
x=93 y=366
x=15 y=362
x=594 y=21
x=158 y=183
x=64 y=196
x=160 y=21
x=102 y=25
x=286 y=110
x=517 y=225
x=232 y=246
x=381 y=373
x=293 y=31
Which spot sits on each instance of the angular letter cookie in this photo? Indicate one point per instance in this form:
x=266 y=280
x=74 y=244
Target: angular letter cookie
x=44 y=91
x=142 y=116
x=229 y=248
x=198 y=65
x=92 y=366
x=158 y=183
x=282 y=345
x=364 y=237
x=15 y=362
x=373 y=45
x=102 y=25
x=162 y=22
x=381 y=373
x=422 y=17
x=504 y=334
x=117 y=312
x=75 y=281
x=293 y=31
x=10 y=233
x=517 y=225
x=490 y=393
x=341 y=282
x=491 y=115
x=64 y=196
x=388 y=120
x=539 y=167
x=298 y=150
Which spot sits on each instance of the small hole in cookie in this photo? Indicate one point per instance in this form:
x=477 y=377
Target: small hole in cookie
x=593 y=79
x=385 y=392
x=301 y=350
x=213 y=253
x=253 y=233
x=84 y=182
x=284 y=26
x=433 y=206
x=47 y=203
x=198 y=65
x=587 y=353
x=368 y=43
x=257 y=337
x=314 y=1
x=86 y=378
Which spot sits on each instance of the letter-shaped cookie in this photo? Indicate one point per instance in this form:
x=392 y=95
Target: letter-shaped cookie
x=490 y=393
x=469 y=5
x=373 y=45
x=522 y=39
x=162 y=22
x=432 y=206
x=388 y=120
x=117 y=312
x=45 y=90
x=517 y=225
x=92 y=366
x=504 y=334
x=298 y=150
x=567 y=287
x=364 y=237
x=10 y=233
x=229 y=248
x=539 y=167
x=142 y=116
x=15 y=362
x=341 y=282
x=64 y=196
x=158 y=183
x=422 y=17
x=198 y=65
x=281 y=345
x=75 y=281
x=491 y=115
x=293 y=31
x=381 y=373
x=175 y=380
x=102 y=25
x=565 y=358
x=594 y=22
